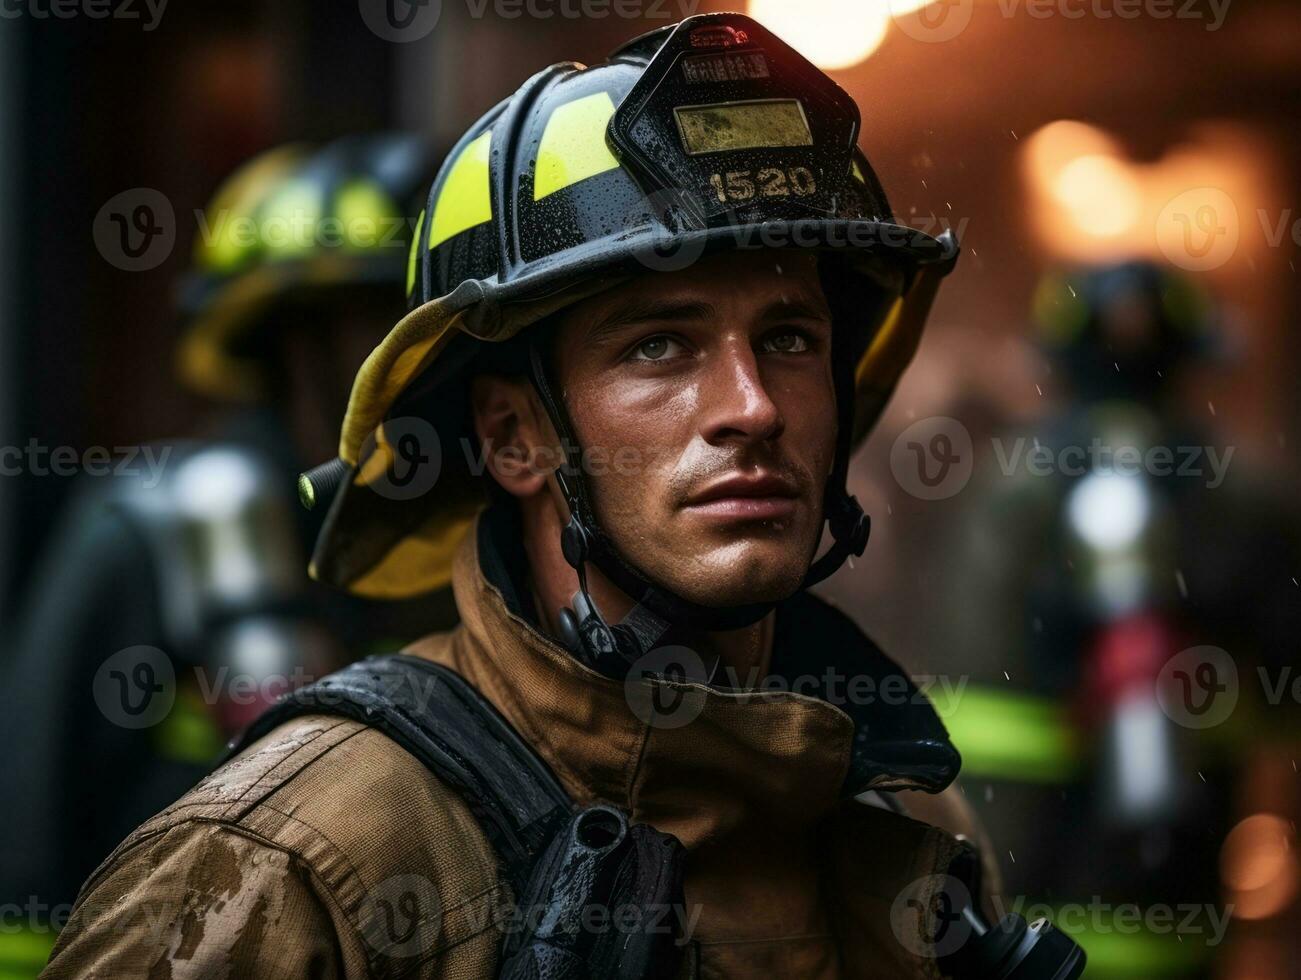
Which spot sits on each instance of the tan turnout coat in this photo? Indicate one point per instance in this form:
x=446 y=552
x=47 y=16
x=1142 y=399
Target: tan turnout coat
x=286 y=861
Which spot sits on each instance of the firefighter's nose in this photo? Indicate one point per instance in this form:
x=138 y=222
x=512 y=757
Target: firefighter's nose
x=739 y=406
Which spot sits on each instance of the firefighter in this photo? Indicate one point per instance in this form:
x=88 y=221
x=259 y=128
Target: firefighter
x=190 y=574
x=656 y=304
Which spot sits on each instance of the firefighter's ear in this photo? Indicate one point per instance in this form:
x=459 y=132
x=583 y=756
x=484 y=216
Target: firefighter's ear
x=515 y=437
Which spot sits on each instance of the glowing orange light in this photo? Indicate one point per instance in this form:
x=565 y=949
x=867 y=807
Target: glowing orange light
x=1090 y=202
x=830 y=33
x=1101 y=194
x=1258 y=866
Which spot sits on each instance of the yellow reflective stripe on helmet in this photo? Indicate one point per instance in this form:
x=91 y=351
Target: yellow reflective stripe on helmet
x=877 y=353
x=573 y=145
x=465 y=200
x=414 y=254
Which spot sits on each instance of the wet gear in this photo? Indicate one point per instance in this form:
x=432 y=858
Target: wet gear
x=445 y=723
x=558 y=859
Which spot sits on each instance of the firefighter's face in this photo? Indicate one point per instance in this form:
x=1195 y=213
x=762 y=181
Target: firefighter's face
x=704 y=402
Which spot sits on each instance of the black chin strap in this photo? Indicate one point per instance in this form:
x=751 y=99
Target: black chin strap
x=611 y=650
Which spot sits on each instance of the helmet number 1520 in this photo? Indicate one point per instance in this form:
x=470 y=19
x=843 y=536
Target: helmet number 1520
x=746 y=185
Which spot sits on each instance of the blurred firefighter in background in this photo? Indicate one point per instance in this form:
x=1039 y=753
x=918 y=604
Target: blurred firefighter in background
x=1131 y=540
x=171 y=609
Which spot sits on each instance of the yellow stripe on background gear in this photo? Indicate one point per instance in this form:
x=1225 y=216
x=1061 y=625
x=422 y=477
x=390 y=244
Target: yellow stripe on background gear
x=1059 y=311
x=413 y=256
x=223 y=241
x=365 y=213
x=573 y=145
x=290 y=220
x=465 y=200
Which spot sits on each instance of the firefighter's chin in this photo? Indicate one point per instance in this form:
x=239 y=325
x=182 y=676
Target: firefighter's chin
x=757 y=563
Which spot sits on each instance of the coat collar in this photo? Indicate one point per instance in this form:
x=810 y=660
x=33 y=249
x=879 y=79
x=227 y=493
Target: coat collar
x=834 y=716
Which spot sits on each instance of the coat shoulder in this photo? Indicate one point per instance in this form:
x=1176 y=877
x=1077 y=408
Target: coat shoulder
x=364 y=822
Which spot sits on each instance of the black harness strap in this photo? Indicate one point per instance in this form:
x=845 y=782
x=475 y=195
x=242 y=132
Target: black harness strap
x=439 y=718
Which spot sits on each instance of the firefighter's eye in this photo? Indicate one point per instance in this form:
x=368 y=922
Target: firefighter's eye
x=661 y=347
x=786 y=341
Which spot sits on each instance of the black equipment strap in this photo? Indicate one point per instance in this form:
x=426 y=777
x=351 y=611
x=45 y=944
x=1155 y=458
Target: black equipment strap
x=439 y=718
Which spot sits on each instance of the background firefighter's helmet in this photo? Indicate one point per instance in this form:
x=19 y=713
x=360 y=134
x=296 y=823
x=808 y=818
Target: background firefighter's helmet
x=1122 y=329
x=706 y=136
x=291 y=223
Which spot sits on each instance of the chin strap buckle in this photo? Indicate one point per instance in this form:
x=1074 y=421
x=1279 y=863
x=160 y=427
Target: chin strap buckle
x=850 y=529
x=849 y=524
x=607 y=650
